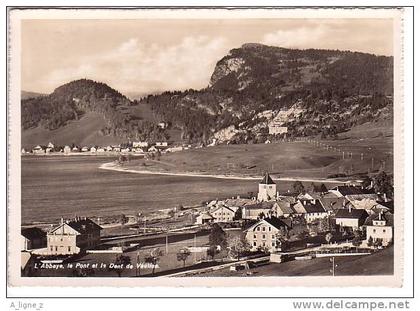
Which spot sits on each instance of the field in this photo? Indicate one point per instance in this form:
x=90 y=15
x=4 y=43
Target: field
x=298 y=159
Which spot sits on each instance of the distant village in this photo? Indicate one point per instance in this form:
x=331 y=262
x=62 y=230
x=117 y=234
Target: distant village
x=137 y=147
x=345 y=219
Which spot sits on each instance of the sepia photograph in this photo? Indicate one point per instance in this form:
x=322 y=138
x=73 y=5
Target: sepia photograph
x=211 y=147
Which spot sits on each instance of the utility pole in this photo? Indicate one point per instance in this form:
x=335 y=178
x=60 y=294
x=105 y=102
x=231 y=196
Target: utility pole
x=145 y=219
x=372 y=163
x=195 y=245
x=361 y=156
x=343 y=155
x=332 y=260
x=166 y=244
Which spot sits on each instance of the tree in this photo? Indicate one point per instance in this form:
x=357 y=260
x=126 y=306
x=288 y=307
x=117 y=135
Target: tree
x=237 y=246
x=382 y=183
x=120 y=264
x=328 y=237
x=212 y=251
x=324 y=224
x=366 y=182
x=357 y=239
x=217 y=236
x=282 y=239
x=370 y=241
x=183 y=255
x=154 y=257
x=123 y=219
x=298 y=187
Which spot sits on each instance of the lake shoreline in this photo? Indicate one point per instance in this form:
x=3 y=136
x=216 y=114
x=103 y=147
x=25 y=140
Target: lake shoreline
x=112 y=166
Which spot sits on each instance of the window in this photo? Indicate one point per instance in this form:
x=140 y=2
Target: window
x=263 y=244
x=258 y=228
x=69 y=249
x=255 y=236
x=263 y=228
x=273 y=236
x=255 y=243
x=263 y=236
x=56 y=248
x=374 y=230
x=383 y=230
x=51 y=248
x=269 y=228
x=273 y=244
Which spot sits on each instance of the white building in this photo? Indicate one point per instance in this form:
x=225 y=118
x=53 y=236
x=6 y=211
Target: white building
x=223 y=213
x=267 y=190
x=380 y=228
x=263 y=234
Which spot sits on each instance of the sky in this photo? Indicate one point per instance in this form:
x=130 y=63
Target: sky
x=143 y=56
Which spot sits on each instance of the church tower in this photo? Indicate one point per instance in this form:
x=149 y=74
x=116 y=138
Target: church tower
x=267 y=189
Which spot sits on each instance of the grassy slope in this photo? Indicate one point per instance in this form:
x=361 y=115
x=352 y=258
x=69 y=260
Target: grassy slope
x=84 y=131
x=285 y=159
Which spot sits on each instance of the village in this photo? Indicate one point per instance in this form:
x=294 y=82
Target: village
x=237 y=235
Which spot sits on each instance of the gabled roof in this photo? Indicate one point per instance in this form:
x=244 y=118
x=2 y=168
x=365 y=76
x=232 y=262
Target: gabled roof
x=267 y=180
x=33 y=233
x=351 y=213
x=273 y=221
x=260 y=205
x=388 y=217
x=81 y=225
x=222 y=206
x=314 y=207
x=285 y=207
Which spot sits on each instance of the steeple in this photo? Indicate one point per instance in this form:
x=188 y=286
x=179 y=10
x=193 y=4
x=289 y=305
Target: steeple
x=267 y=180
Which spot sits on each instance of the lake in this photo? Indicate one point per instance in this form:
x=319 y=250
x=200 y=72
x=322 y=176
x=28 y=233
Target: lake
x=60 y=186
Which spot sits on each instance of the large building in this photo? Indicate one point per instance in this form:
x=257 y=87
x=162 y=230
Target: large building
x=263 y=234
x=350 y=217
x=72 y=237
x=223 y=213
x=380 y=228
x=267 y=190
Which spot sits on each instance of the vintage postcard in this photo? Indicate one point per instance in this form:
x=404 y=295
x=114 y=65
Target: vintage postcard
x=205 y=147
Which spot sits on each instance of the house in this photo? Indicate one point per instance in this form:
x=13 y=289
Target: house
x=101 y=150
x=23 y=151
x=267 y=189
x=38 y=149
x=73 y=237
x=380 y=227
x=85 y=149
x=116 y=148
x=263 y=233
x=140 y=144
x=223 y=213
x=108 y=148
x=93 y=149
x=331 y=202
x=311 y=210
x=50 y=145
x=258 y=210
x=350 y=217
x=161 y=144
x=283 y=209
x=276 y=127
x=163 y=125
x=66 y=149
x=33 y=238
x=342 y=191
x=75 y=149
x=204 y=218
